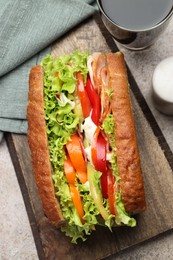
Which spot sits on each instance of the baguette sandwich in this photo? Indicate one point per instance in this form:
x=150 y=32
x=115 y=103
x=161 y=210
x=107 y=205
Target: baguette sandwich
x=83 y=144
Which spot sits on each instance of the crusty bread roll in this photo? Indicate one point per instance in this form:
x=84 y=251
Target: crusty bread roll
x=37 y=139
x=129 y=168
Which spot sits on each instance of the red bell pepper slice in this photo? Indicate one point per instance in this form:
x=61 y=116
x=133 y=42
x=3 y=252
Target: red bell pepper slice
x=83 y=96
x=111 y=192
x=70 y=172
x=95 y=101
x=77 y=202
x=75 y=195
x=76 y=156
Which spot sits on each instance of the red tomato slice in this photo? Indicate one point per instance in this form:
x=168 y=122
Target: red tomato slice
x=98 y=153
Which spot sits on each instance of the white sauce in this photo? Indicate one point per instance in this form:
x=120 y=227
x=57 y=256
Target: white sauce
x=89 y=129
x=88 y=154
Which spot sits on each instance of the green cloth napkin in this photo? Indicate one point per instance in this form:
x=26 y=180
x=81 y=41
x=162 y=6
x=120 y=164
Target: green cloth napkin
x=28 y=27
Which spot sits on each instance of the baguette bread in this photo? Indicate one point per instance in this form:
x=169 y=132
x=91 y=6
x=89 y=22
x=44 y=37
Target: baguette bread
x=37 y=139
x=130 y=182
x=128 y=159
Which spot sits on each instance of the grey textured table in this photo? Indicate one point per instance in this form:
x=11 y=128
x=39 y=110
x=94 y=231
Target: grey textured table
x=16 y=239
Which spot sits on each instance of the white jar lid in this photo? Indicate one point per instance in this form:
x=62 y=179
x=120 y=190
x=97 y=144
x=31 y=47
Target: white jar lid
x=162 y=82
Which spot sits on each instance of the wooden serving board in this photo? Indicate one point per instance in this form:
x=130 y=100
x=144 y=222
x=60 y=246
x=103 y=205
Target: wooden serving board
x=157 y=167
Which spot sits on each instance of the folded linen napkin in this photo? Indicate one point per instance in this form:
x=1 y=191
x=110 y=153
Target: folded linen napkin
x=28 y=27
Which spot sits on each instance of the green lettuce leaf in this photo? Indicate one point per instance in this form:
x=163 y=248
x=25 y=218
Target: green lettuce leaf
x=61 y=122
x=123 y=217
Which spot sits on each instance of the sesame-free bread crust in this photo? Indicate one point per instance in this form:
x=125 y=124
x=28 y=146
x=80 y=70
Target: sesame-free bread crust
x=37 y=139
x=131 y=182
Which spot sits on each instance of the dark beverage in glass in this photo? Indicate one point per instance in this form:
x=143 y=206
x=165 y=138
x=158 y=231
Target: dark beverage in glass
x=135 y=21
